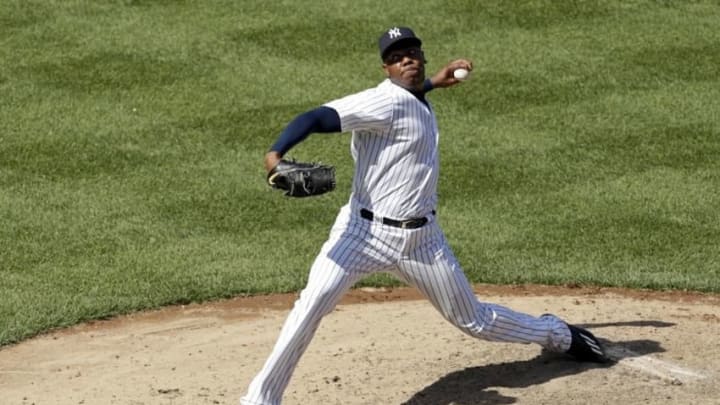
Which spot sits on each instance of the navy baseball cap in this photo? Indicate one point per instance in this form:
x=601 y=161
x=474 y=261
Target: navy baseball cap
x=395 y=36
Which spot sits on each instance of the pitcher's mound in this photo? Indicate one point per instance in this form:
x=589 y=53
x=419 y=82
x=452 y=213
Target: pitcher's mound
x=378 y=347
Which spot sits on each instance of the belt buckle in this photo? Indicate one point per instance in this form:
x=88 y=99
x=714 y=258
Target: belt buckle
x=411 y=223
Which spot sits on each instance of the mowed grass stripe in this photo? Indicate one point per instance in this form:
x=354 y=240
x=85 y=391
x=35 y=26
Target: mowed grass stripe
x=582 y=150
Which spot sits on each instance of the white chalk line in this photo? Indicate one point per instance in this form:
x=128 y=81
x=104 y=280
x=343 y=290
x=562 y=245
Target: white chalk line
x=658 y=368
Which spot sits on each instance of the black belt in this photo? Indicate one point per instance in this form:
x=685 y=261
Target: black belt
x=405 y=224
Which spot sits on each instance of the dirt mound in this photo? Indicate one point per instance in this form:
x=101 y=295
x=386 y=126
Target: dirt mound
x=378 y=347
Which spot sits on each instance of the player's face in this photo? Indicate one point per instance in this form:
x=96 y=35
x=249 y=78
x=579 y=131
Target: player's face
x=406 y=66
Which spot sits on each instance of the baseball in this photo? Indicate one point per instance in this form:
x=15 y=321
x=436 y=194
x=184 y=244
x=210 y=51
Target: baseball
x=461 y=74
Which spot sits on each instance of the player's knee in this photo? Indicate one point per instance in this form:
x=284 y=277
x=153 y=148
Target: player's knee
x=320 y=301
x=473 y=329
x=477 y=325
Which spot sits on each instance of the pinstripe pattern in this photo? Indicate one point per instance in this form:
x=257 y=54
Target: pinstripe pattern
x=394 y=145
x=396 y=170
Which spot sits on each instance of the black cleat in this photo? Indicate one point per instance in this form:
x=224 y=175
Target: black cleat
x=586 y=347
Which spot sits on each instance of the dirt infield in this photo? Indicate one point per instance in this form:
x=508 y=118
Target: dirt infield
x=378 y=347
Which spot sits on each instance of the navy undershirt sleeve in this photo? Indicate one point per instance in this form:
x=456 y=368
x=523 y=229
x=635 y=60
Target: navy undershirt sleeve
x=322 y=119
x=427 y=86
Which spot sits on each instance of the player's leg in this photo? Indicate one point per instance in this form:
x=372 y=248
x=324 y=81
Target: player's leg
x=326 y=285
x=435 y=271
x=344 y=259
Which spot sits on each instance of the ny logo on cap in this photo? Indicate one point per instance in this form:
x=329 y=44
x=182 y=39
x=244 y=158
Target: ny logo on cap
x=395 y=32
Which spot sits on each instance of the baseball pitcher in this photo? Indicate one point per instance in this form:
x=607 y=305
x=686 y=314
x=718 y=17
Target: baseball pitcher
x=390 y=222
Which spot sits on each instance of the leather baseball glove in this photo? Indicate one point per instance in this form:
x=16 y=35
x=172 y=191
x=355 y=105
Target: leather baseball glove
x=300 y=179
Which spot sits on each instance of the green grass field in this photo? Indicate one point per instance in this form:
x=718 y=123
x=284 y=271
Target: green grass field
x=585 y=149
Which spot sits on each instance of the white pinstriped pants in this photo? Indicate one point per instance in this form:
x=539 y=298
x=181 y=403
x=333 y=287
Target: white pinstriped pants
x=421 y=258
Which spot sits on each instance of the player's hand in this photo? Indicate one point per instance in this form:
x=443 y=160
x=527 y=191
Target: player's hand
x=444 y=77
x=299 y=179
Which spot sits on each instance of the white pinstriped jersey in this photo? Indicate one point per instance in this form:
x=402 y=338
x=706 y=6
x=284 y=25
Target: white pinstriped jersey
x=394 y=145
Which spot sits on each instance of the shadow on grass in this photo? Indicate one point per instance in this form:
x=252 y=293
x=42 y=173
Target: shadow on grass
x=472 y=386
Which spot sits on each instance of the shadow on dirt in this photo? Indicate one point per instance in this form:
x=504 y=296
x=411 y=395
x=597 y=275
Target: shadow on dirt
x=473 y=385
x=639 y=324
